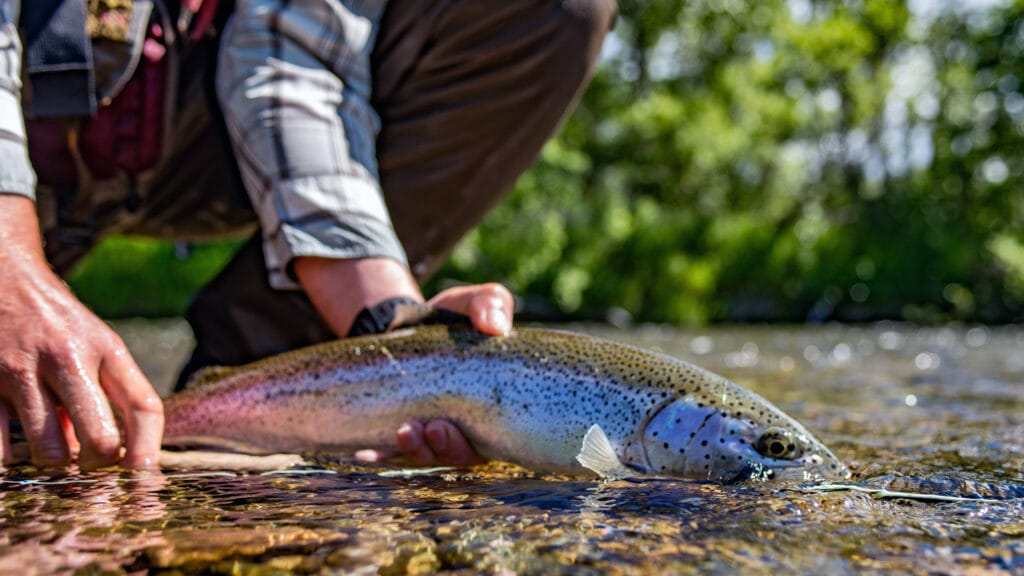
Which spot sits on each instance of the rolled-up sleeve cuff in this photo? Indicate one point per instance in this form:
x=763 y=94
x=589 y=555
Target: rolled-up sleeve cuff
x=333 y=216
x=16 y=174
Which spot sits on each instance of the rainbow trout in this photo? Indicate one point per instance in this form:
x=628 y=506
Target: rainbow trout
x=544 y=399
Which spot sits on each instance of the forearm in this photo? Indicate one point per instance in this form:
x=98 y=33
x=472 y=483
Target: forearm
x=20 y=239
x=340 y=289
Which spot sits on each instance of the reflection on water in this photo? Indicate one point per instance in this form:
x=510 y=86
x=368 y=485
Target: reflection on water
x=938 y=410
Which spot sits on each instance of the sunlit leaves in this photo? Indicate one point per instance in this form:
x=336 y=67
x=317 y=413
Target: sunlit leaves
x=754 y=159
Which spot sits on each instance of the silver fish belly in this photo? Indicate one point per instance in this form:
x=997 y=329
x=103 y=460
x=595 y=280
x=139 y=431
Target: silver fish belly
x=530 y=399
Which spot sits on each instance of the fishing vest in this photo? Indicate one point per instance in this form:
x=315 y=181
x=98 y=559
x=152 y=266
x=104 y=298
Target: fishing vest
x=100 y=79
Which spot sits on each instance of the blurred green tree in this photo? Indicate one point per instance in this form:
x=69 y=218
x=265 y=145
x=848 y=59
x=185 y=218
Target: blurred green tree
x=779 y=160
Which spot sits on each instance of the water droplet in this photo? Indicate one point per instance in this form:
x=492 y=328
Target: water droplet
x=841 y=353
x=812 y=354
x=702 y=345
x=890 y=340
x=786 y=364
x=977 y=337
x=927 y=361
x=860 y=292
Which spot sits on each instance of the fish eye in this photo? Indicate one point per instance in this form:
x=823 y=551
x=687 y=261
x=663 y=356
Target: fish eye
x=776 y=443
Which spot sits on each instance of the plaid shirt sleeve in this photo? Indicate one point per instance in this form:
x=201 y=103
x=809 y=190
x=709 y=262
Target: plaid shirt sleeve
x=294 y=83
x=16 y=174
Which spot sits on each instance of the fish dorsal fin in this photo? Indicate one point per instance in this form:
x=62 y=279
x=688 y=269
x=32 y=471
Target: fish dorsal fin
x=598 y=454
x=205 y=376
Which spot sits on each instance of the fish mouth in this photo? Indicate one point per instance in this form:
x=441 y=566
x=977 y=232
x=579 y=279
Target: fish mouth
x=749 y=471
x=753 y=471
x=775 y=470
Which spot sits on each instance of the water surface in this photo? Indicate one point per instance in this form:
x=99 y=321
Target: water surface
x=935 y=411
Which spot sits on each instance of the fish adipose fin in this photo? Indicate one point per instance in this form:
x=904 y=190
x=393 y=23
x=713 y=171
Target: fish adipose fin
x=598 y=454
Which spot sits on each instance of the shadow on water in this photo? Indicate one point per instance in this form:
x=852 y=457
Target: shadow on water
x=921 y=411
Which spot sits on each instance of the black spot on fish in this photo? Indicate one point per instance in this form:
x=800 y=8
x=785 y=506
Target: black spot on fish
x=703 y=442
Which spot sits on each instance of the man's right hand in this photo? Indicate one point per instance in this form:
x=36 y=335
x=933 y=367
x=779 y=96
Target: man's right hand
x=60 y=364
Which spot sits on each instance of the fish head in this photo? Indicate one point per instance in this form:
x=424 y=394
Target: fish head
x=695 y=438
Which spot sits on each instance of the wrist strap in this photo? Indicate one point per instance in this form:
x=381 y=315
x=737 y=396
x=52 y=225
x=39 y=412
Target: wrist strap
x=378 y=318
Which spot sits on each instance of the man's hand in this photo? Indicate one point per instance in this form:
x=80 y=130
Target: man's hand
x=341 y=288
x=489 y=307
x=60 y=364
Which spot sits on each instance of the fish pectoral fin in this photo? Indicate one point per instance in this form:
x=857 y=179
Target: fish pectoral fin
x=598 y=454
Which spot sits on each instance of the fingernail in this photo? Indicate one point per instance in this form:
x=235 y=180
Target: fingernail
x=407 y=438
x=367 y=455
x=500 y=320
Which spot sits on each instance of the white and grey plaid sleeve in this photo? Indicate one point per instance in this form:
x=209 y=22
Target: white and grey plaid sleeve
x=294 y=82
x=16 y=174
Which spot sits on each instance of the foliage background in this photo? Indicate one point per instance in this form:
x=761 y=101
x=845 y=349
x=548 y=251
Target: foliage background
x=776 y=160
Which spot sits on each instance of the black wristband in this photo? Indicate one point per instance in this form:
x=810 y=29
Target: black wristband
x=378 y=318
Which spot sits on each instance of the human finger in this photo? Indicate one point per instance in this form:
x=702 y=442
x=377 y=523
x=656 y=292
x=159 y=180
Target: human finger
x=489 y=306
x=36 y=409
x=448 y=444
x=141 y=409
x=74 y=382
x=412 y=444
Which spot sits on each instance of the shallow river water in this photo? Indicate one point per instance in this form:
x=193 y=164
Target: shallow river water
x=936 y=411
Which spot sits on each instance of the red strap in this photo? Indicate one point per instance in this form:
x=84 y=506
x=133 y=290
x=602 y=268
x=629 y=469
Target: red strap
x=204 y=10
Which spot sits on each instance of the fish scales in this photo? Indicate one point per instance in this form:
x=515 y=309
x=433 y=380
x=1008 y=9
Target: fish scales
x=529 y=398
